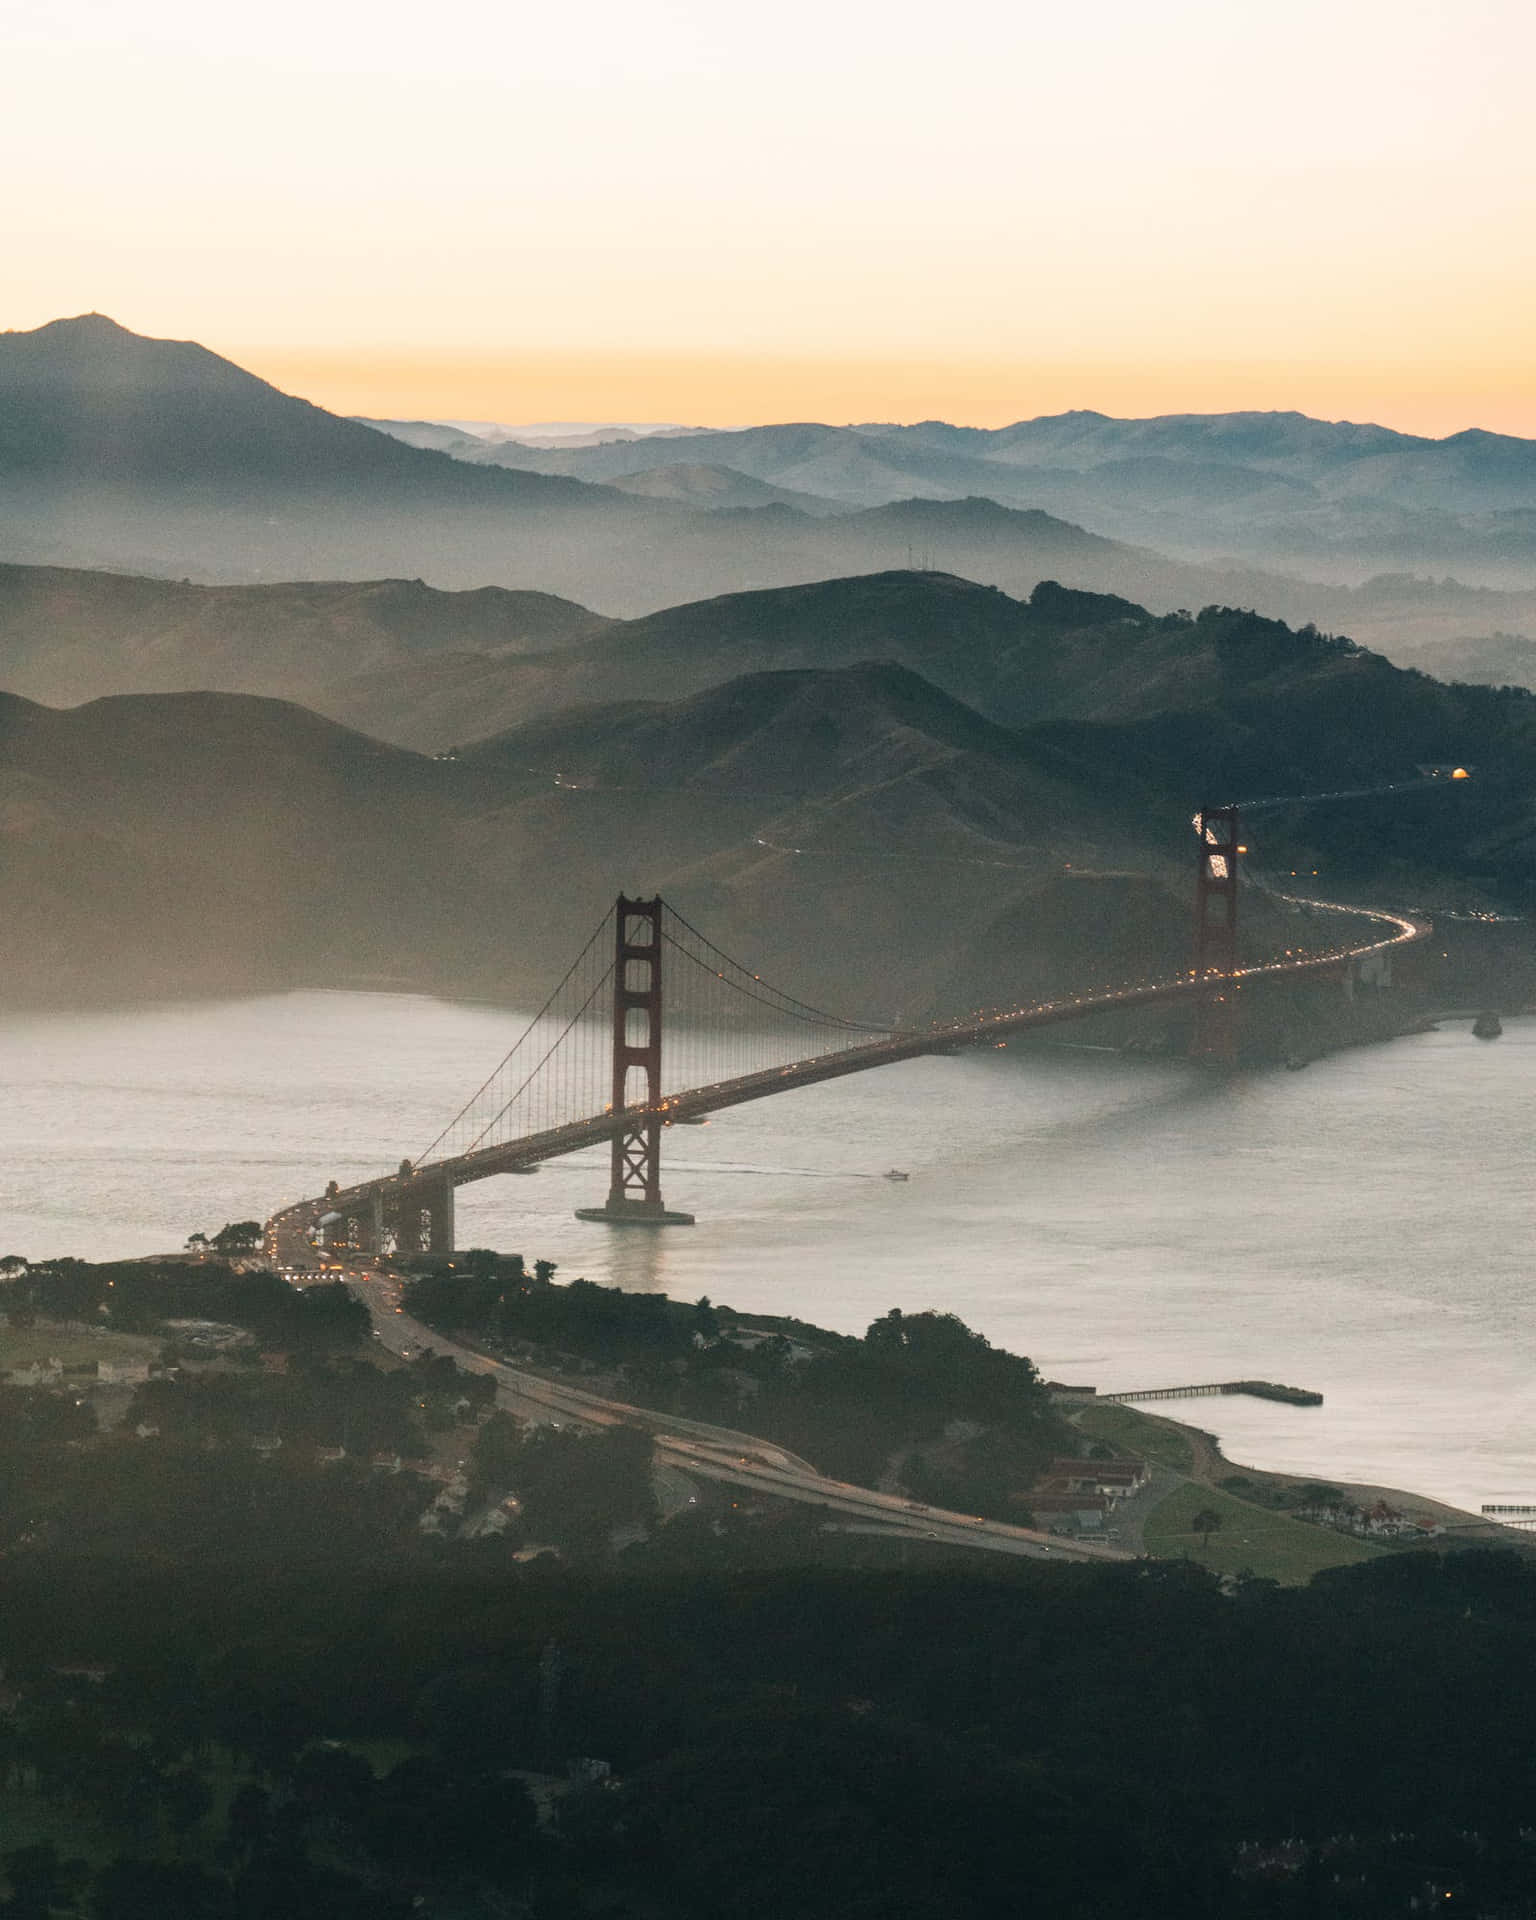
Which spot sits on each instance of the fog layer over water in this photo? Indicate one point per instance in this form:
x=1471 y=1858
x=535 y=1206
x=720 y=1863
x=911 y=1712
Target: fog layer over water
x=1362 y=1228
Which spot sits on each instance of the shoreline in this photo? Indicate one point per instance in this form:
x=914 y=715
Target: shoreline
x=1213 y=1468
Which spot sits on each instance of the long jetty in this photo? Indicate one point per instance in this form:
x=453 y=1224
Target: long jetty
x=1257 y=1389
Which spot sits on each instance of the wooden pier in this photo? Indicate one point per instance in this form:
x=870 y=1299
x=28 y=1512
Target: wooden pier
x=1256 y=1389
x=1507 y=1515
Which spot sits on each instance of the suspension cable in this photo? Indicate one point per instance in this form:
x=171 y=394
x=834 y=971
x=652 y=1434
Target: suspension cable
x=597 y=932
x=783 y=1002
x=535 y=1071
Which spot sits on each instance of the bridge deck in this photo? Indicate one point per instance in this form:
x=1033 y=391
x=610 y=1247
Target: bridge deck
x=483 y=1163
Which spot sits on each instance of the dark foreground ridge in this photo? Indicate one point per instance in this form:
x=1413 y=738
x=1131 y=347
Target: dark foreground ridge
x=298 y=1630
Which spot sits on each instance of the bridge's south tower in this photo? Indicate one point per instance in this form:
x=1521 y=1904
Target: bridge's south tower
x=1215 y=1034
x=634 y=1187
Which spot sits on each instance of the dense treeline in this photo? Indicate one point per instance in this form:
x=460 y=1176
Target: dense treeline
x=1088 y=1743
x=345 y=1403
x=573 y=1488
x=231 y=1459
x=136 y=1296
x=968 y=1424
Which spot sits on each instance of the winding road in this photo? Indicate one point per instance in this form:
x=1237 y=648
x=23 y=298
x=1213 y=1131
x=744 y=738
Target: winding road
x=719 y=1455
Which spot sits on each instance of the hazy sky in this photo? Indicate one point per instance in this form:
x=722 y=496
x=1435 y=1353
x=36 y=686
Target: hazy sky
x=683 y=209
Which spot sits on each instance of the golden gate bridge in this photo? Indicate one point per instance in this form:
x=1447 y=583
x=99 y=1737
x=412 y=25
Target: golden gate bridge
x=591 y=1066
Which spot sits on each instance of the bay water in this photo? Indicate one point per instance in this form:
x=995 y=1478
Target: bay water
x=1363 y=1228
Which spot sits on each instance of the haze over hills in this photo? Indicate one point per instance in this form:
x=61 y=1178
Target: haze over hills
x=716 y=488
x=186 y=842
x=1279 y=488
x=159 y=457
x=162 y=456
x=428 y=668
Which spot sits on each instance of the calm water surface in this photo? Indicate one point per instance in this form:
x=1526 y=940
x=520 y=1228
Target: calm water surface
x=1363 y=1227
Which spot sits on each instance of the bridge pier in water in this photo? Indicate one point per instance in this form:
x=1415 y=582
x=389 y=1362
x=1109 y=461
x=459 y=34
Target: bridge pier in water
x=1215 y=1034
x=634 y=1185
x=540 y=1107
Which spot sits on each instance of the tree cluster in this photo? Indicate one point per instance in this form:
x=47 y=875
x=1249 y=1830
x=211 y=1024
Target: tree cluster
x=138 y=1296
x=850 y=1406
x=1094 y=1743
x=574 y=1488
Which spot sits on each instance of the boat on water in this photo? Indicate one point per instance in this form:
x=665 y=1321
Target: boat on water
x=1487 y=1026
x=895 y=1173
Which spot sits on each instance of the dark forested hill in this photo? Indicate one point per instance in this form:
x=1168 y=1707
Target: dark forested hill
x=975 y=642
x=1225 y=700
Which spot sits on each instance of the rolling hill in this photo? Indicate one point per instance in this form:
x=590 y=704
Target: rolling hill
x=158 y=844
x=1062 y=656
x=70 y=635
x=191 y=842
x=834 y=810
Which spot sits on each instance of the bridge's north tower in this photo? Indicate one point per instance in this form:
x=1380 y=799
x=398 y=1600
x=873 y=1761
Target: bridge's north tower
x=1215 y=1034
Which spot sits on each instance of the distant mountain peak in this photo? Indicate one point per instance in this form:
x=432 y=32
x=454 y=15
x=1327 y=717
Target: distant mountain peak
x=93 y=347
x=93 y=330
x=92 y=325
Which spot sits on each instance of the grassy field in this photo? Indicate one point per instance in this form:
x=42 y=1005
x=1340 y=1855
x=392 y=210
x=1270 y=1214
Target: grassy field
x=1125 y=1427
x=74 y=1345
x=1249 y=1539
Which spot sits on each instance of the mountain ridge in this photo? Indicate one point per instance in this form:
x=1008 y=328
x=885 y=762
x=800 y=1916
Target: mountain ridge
x=68 y=635
x=181 y=842
x=1327 y=489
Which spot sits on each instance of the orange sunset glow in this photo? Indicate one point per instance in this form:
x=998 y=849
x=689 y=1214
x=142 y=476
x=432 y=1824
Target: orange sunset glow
x=724 y=390
x=679 y=212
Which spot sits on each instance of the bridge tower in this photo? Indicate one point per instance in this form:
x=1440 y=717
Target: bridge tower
x=634 y=1187
x=1215 y=1034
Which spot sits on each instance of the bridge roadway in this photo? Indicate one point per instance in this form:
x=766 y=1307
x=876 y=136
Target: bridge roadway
x=718 y=1454
x=482 y=1163
x=735 y=1461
